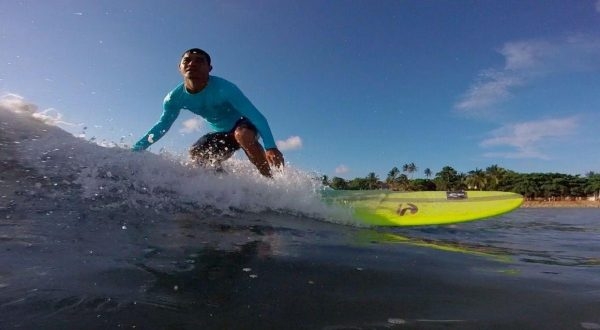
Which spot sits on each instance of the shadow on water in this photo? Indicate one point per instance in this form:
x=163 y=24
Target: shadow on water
x=162 y=289
x=208 y=278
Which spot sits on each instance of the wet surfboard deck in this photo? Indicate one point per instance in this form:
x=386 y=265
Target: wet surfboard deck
x=421 y=208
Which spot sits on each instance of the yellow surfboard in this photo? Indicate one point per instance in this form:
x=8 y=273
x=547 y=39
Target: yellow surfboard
x=389 y=208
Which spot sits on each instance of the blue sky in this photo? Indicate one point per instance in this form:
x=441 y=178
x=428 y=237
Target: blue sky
x=348 y=87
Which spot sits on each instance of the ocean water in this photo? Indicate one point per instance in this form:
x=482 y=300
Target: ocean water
x=98 y=237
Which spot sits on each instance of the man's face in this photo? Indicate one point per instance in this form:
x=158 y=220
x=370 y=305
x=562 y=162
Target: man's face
x=194 y=66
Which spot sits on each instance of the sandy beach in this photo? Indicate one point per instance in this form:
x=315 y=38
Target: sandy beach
x=560 y=204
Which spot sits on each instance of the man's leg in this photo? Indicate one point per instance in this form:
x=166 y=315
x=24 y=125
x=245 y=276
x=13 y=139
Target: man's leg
x=212 y=149
x=247 y=139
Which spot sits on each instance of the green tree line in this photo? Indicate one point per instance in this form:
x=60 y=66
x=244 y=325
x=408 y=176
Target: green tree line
x=531 y=185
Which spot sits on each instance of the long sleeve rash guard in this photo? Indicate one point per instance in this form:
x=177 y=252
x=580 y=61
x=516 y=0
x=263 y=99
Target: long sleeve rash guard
x=220 y=103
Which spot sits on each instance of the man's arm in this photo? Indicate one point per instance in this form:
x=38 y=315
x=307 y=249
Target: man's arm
x=243 y=105
x=165 y=122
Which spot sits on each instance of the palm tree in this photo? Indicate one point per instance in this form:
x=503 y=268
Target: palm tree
x=476 y=179
x=593 y=185
x=527 y=187
x=409 y=168
x=391 y=178
x=412 y=168
x=495 y=175
x=427 y=172
x=447 y=179
x=372 y=180
x=338 y=183
x=402 y=182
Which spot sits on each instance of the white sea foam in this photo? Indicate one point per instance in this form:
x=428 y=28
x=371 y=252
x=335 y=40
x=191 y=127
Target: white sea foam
x=113 y=176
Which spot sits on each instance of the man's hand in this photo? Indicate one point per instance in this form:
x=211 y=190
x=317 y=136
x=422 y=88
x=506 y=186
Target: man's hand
x=274 y=157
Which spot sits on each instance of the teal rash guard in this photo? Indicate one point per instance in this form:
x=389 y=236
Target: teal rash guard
x=220 y=103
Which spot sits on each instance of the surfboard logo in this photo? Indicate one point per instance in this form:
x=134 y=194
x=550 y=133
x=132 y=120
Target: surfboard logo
x=412 y=208
x=456 y=195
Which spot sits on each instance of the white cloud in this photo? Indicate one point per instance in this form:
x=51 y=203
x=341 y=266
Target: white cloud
x=598 y=6
x=526 y=61
x=525 y=139
x=342 y=169
x=292 y=143
x=525 y=55
x=493 y=87
x=191 y=125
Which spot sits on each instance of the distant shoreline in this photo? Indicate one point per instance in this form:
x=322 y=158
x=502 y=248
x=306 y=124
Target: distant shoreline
x=561 y=204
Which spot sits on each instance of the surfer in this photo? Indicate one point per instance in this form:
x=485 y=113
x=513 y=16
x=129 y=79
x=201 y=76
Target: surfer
x=237 y=124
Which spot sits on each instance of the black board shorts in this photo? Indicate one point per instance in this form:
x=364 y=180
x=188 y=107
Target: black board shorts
x=219 y=146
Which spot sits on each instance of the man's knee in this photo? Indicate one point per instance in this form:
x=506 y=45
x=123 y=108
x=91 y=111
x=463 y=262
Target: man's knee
x=245 y=136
